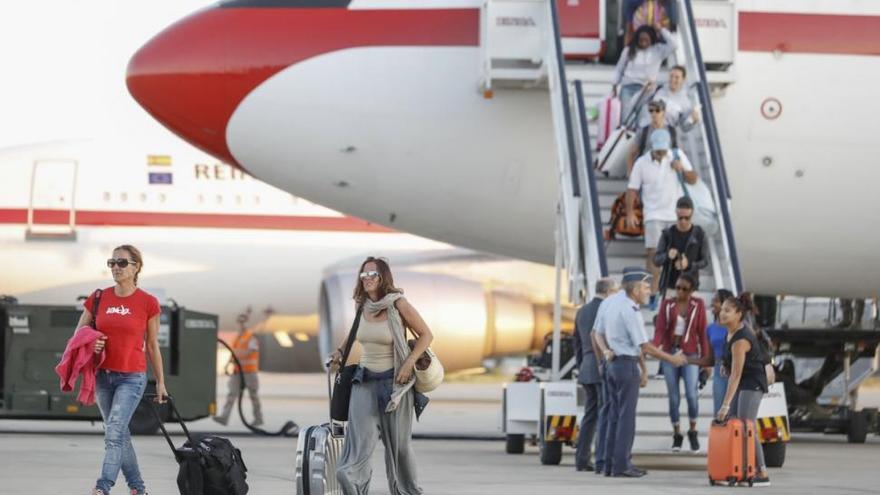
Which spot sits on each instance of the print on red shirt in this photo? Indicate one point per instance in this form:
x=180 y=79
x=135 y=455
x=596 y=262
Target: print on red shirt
x=124 y=321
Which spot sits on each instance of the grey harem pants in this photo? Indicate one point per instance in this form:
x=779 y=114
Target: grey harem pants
x=366 y=424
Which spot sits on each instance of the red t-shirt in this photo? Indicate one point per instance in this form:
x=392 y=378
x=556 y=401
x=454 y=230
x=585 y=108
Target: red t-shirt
x=124 y=321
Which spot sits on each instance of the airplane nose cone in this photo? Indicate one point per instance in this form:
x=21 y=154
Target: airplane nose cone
x=193 y=75
x=180 y=78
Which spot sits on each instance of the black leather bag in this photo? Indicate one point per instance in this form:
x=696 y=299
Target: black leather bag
x=341 y=395
x=208 y=464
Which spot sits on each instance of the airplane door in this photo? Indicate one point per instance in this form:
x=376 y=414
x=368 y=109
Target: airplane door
x=52 y=209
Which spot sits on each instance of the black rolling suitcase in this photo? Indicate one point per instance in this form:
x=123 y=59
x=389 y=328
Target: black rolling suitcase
x=209 y=465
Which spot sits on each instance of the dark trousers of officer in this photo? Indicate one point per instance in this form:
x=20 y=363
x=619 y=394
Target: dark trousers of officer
x=602 y=454
x=588 y=425
x=624 y=379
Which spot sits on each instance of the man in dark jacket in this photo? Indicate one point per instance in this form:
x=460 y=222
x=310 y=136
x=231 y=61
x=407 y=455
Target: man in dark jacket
x=682 y=247
x=588 y=365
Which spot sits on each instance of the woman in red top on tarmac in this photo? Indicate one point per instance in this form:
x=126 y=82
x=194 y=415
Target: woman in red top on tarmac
x=129 y=319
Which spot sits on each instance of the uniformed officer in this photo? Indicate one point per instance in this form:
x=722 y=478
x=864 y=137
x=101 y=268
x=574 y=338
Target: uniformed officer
x=603 y=455
x=621 y=336
x=589 y=376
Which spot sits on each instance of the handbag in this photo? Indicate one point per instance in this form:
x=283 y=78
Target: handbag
x=341 y=396
x=428 y=370
x=618 y=226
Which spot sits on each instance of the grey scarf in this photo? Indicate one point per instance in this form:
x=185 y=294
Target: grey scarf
x=401 y=349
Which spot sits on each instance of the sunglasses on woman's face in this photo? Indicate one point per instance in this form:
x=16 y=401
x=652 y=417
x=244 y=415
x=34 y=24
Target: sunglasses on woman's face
x=369 y=274
x=122 y=262
x=655 y=110
x=683 y=288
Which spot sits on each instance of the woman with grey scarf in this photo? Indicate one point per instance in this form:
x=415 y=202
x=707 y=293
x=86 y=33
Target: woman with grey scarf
x=383 y=399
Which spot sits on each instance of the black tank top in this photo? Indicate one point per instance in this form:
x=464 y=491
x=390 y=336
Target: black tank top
x=754 y=377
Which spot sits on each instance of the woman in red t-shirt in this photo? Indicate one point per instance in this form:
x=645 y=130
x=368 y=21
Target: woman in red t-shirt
x=129 y=319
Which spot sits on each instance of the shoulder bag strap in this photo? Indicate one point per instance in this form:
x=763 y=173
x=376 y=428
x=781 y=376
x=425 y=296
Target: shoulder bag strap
x=351 y=336
x=96 y=301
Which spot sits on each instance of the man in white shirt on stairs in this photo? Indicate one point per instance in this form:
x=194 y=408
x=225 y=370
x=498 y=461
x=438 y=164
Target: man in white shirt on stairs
x=657 y=176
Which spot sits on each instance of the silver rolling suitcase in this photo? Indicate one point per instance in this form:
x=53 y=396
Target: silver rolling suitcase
x=614 y=154
x=317 y=451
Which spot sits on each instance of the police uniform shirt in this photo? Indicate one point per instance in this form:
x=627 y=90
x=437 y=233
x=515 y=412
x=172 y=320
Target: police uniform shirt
x=599 y=322
x=623 y=326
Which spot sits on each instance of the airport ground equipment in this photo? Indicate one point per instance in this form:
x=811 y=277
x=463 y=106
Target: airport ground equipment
x=34 y=338
x=544 y=413
x=523 y=50
x=823 y=370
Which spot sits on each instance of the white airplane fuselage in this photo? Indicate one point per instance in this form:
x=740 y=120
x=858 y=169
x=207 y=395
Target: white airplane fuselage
x=389 y=126
x=214 y=239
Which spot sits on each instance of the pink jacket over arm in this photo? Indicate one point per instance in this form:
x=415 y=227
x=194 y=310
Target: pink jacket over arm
x=80 y=359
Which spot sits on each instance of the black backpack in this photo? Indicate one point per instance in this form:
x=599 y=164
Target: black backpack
x=209 y=465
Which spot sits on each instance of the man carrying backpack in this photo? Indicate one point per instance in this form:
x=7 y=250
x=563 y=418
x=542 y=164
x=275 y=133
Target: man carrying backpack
x=682 y=247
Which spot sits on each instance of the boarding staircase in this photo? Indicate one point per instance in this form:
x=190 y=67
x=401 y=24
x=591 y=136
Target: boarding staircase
x=537 y=60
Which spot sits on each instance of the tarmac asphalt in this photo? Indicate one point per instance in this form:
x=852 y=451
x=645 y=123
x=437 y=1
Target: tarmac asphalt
x=47 y=457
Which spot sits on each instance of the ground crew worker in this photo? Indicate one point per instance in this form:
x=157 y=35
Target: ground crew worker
x=247 y=350
x=622 y=338
x=588 y=366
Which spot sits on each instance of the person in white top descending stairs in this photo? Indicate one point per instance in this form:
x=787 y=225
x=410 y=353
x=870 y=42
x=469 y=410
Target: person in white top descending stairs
x=655 y=175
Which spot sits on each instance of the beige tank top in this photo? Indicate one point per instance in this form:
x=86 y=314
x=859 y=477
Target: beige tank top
x=376 y=344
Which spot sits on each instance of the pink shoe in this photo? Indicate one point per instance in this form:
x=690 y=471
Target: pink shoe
x=96 y=491
x=135 y=492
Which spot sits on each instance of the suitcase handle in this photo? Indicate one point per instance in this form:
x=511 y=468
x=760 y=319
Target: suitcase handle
x=162 y=424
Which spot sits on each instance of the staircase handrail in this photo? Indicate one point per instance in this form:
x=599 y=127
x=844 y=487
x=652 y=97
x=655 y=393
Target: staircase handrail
x=592 y=187
x=716 y=158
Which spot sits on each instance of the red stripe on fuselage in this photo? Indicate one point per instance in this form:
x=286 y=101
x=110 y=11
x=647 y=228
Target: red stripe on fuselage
x=192 y=76
x=93 y=218
x=809 y=33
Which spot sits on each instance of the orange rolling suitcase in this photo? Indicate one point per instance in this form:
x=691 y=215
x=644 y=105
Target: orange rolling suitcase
x=732 y=452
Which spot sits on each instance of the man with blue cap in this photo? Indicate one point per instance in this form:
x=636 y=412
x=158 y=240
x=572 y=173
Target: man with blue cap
x=656 y=175
x=620 y=334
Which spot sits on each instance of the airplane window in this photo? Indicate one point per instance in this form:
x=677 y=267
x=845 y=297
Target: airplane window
x=143 y=197
x=256 y=200
x=238 y=199
x=106 y=196
x=162 y=197
x=123 y=197
x=201 y=198
x=219 y=198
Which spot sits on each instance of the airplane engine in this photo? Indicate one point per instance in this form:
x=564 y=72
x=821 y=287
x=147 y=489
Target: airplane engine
x=470 y=321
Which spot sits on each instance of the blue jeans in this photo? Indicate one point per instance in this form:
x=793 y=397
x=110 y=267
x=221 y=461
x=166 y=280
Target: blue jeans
x=627 y=95
x=691 y=375
x=719 y=386
x=118 y=396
